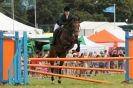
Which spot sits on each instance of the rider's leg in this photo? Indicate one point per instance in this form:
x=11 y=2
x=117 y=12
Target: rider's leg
x=56 y=30
x=54 y=36
x=56 y=26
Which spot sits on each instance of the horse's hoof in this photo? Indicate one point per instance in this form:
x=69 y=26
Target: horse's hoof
x=125 y=82
x=53 y=82
x=59 y=81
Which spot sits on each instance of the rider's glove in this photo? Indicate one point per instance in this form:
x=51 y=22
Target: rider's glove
x=62 y=26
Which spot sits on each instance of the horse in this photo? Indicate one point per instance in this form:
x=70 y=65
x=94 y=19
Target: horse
x=64 y=42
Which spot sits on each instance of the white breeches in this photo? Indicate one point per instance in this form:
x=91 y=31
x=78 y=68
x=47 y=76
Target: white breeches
x=56 y=26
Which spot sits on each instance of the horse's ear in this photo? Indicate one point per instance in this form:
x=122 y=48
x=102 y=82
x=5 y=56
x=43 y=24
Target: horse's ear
x=76 y=18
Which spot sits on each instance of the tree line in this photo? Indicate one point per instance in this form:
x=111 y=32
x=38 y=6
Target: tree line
x=48 y=11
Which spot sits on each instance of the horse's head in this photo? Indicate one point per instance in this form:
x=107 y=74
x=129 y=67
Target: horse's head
x=73 y=26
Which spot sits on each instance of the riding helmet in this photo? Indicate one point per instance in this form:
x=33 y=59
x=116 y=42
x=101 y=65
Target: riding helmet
x=66 y=8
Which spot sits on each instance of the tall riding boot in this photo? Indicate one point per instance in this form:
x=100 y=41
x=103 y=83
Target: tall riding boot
x=55 y=34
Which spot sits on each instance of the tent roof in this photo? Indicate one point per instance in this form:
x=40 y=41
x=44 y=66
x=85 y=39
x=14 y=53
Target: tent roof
x=45 y=37
x=91 y=25
x=117 y=33
x=87 y=25
x=104 y=37
x=89 y=43
x=10 y=25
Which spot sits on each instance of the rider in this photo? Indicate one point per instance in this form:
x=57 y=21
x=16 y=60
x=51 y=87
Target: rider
x=65 y=17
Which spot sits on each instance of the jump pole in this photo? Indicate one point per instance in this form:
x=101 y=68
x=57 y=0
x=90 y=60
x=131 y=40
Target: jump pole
x=77 y=68
x=81 y=59
x=71 y=77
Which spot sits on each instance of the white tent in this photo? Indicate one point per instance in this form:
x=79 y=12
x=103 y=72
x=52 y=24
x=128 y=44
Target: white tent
x=90 y=45
x=119 y=33
x=9 y=25
x=45 y=37
x=90 y=27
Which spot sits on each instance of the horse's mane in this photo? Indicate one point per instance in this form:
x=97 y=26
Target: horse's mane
x=73 y=19
x=68 y=24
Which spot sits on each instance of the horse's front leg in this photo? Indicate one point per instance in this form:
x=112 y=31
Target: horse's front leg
x=52 y=70
x=78 y=45
x=60 y=71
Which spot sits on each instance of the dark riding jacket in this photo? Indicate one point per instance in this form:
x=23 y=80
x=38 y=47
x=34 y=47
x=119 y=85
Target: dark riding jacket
x=62 y=20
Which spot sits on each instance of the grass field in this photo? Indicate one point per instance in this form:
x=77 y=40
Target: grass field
x=115 y=80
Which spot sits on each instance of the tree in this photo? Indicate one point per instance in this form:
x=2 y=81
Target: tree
x=130 y=5
x=47 y=11
x=88 y=10
x=1 y=1
x=6 y=8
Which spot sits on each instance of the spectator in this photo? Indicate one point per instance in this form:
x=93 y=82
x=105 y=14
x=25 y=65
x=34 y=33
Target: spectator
x=121 y=63
x=112 y=63
x=95 y=65
x=107 y=63
x=82 y=64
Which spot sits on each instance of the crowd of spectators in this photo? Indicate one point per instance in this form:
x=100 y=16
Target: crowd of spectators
x=96 y=64
x=89 y=64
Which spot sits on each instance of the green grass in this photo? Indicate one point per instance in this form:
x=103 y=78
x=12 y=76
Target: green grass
x=115 y=80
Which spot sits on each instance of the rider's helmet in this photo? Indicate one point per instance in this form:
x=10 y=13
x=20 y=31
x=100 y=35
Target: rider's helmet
x=66 y=8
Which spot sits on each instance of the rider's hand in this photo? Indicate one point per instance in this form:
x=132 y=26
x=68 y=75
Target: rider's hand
x=62 y=26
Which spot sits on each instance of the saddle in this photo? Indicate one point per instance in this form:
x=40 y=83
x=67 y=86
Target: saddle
x=59 y=31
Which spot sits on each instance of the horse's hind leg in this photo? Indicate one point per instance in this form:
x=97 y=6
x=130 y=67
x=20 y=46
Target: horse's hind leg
x=60 y=72
x=52 y=54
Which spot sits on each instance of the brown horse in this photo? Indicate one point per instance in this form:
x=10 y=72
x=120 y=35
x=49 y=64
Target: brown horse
x=64 y=42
